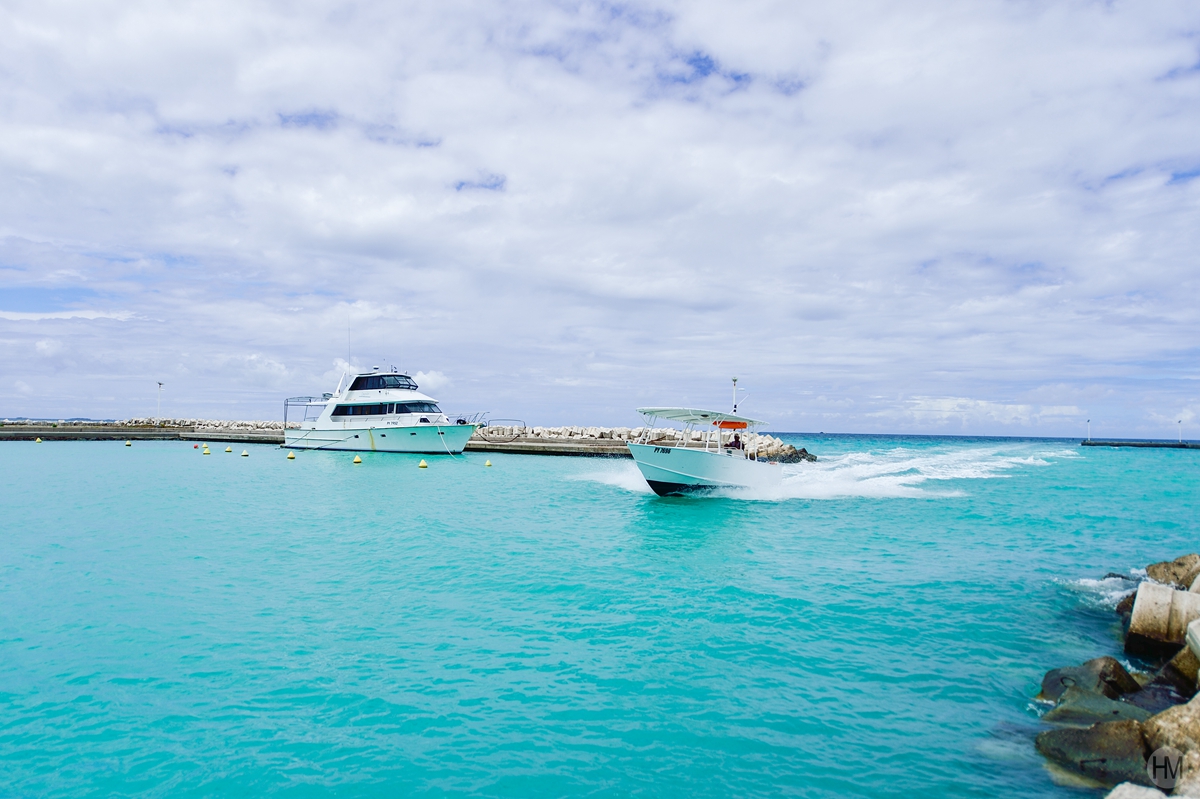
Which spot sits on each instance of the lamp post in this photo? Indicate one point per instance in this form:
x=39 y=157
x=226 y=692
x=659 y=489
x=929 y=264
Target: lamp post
x=1089 y=429
x=159 y=417
x=1180 y=431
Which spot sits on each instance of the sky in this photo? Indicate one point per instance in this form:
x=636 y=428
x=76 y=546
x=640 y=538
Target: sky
x=925 y=217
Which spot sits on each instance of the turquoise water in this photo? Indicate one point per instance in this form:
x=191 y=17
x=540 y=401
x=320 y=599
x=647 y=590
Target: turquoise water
x=173 y=624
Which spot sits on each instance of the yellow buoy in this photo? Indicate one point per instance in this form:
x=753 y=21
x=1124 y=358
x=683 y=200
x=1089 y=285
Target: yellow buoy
x=245 y=454
x=229 y=449
x=422 y=464
x=487 y=463
x=357 y=459
x=206 y=452
x=291 y=456
x=127 y=443
x=37 y=441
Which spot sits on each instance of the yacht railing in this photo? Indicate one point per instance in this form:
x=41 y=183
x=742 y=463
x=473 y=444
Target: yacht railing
x=313 y=407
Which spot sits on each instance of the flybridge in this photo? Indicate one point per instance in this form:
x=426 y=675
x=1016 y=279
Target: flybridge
x=376 y=382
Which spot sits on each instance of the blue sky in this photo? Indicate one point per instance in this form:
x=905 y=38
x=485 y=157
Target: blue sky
x=923 y=217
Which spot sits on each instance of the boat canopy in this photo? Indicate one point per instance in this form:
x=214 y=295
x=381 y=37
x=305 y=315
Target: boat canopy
x=700 y=416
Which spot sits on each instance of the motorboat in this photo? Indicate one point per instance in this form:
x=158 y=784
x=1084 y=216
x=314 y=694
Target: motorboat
x=710 y=454
x=377 y=411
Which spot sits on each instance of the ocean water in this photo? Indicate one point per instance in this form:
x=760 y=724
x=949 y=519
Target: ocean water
x=173 y=624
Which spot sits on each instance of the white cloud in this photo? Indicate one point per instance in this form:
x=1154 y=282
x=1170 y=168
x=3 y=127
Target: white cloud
x=431 y=381
x=852 y=206
x=14 y=316
x=949 y=412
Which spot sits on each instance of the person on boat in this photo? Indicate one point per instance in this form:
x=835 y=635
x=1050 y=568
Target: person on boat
x=737 y=442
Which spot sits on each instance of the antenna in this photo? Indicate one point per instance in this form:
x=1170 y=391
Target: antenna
x=159 y=417
x=735 y=395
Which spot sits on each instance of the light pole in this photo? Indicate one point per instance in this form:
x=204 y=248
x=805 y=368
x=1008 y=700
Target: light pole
x=1180 y=431
x=159 y=417
x=1089 y=429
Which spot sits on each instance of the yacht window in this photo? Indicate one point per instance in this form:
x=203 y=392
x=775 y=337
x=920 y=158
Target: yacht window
x=369 y=382
x=360 y=410
x=417 y=407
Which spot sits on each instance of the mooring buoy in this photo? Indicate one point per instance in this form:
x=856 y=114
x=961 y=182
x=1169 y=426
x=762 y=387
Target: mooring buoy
x=245 y=454
x=291 y=456
x=357 y=459
x=422 y=464
x=487 y=463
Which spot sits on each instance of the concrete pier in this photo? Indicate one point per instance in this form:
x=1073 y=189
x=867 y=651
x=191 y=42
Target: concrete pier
x=70 y=431
x=588 y=442
x=523 y=445
x=1149 y=444
x=528 y=445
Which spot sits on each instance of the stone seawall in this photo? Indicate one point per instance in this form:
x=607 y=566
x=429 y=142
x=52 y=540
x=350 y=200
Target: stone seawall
x=570 y=440
x=612 y=440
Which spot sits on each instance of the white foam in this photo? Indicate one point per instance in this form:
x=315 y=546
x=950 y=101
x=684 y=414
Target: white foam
x=899 y=472
x=1103 y=593
x=620 y=474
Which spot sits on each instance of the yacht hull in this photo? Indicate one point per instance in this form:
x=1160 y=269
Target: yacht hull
x=418 y=440
x=682 y=470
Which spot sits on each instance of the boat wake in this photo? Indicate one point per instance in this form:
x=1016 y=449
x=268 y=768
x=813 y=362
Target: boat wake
x=895 y=473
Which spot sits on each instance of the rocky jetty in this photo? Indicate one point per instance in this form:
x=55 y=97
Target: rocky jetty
x=768 y=447
x=144 y=422
x=1140 y=730
x=210 y=424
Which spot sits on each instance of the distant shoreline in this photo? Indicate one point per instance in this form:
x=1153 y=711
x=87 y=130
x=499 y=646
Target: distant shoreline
x=271 y=432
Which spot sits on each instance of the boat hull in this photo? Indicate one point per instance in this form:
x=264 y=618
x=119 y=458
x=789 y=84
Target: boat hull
x=682 y=470
x=418 y=440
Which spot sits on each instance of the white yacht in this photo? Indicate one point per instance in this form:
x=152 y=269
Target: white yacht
x=716 y=460
x=377 y=411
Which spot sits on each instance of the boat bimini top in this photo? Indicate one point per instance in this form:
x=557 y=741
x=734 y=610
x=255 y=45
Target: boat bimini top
x=700 y=417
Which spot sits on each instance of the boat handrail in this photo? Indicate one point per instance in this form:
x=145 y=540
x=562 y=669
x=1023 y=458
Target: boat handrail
x=303 y=402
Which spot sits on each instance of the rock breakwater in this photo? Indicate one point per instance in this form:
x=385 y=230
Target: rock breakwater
x=766 y=446
x=1137 y=730
x=142 y=422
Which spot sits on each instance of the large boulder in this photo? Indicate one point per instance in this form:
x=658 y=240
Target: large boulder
x=1103 y=675
x=789 y=454
x=1179 y=727
x=1158 y=695
x=1125 y=606
x=1174 y=684
x=1183 y=669
x=1109 y=752
x=1160 y=619
x=1179 y=573
x=1078 y=707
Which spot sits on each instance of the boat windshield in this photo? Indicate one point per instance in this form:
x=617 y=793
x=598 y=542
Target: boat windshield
x=368 y=382
x=384 y=408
